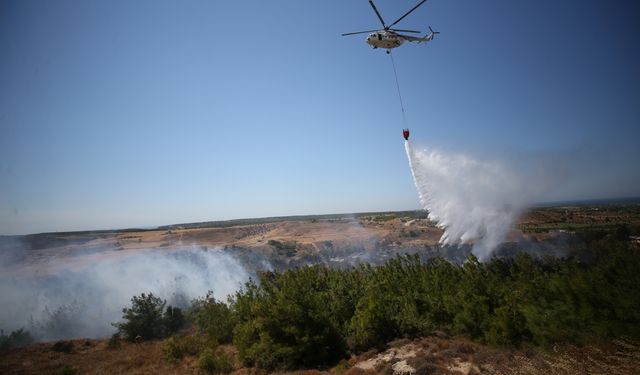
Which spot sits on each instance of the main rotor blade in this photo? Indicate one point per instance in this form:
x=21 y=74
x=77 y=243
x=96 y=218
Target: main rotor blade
x=359 y=32
x=406 y=31
x=378 y=13
x=406 y=14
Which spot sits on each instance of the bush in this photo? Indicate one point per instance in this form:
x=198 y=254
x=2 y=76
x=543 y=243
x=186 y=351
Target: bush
x=284 y=248
x=213 y=318
x=394 y=305
x=172 y=349
x=206 y=361
x=114 y=342
x=148 y=319
x=218 y=362
x=64 y=321
x=143 y=318
x=173 y=320
x=16 y=339
x=291 y=320
x=176 y=347
x=68 y=370
x=62 y=347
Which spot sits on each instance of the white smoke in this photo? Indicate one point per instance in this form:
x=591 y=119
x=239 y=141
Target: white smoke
x=84 y=301
x=472 y=201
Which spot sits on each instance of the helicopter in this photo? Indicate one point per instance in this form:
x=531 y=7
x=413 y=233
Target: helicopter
x=389 y=38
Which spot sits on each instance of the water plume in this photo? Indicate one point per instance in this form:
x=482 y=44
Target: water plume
x=472 y=201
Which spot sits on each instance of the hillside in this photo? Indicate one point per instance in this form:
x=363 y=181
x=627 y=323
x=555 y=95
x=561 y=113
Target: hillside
x=472 y=325
x=429 y=355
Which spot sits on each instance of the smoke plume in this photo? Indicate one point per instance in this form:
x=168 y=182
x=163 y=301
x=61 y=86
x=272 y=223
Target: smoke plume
x=472 y=201
x=85 y=300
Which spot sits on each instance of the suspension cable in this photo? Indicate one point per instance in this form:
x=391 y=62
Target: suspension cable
x=395 y=73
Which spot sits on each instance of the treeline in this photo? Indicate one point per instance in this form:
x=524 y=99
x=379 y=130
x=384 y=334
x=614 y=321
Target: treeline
x=421 y=214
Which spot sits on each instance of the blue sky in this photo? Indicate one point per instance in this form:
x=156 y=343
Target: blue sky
x=137 y=113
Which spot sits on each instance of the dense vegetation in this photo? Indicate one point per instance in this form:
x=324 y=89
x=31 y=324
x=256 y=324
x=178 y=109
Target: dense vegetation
x=147 y=318
x=312 y=317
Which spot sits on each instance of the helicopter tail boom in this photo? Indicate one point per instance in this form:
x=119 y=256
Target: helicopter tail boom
x=427 y=38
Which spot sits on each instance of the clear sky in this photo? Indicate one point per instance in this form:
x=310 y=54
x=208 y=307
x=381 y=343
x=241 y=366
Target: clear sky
x=126 y=113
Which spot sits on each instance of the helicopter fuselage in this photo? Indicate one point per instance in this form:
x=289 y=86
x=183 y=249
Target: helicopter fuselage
x=384 y=39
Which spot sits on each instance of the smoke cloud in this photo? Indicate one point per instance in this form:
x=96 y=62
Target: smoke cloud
x=84 y=301
x=472 y=201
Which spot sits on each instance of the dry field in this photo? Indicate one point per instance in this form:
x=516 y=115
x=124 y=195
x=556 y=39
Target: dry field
x=307 y=236
x=429 y=355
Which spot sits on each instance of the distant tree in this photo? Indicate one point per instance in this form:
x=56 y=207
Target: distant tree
x=15 y=339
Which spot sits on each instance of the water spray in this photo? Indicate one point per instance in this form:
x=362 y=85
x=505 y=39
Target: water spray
x=472 y=201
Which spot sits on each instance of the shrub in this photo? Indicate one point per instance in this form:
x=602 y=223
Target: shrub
x=143 y=318
x=176 y=347
x=284 y=248
x=173 y=320
x=114 y=342
x=218 y=361
x=224 y=362
x=62 y=347
x=68 y=370
x=172 y=350
x=148 y=319
x=64 y=321
x=290 y=321
x=213 y=318
x=207 y=361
